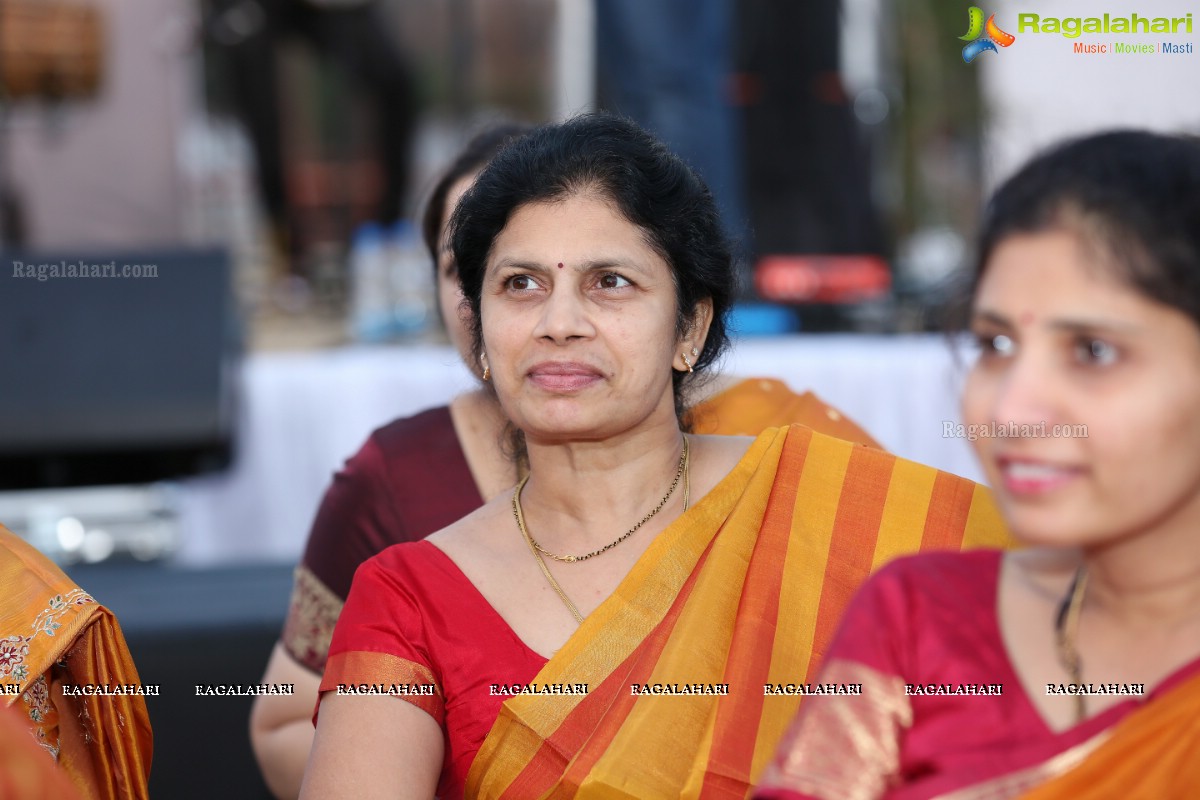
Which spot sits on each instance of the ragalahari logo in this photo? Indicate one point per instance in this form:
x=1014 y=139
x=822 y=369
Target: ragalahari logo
x=979 y=43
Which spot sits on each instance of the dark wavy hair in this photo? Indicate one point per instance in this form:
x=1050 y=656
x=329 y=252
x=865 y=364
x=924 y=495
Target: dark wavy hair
x=1131 y=196
x=477 y=152
x=649 y=186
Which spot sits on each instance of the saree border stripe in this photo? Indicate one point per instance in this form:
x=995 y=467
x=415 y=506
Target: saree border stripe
x=1151 y=753
x=364 y=666
x=595 y=721
x=712 y=615
x=45 y=650
x=53 y=611
x=948 y=511
x=859 y=513
x=897 y=534
x=610 y=635
x=643 y=668
x=739 y=716
x=983 y=521
x=1016 y=783
x=847 y=746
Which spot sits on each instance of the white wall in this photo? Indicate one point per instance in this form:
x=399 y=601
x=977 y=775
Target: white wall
x=1039 y=91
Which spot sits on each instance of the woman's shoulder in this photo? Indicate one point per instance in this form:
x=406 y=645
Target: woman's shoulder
x=415 y=575
x=473 y=536
x=432 y=425
x=405 y=448
x=410 y=563
x=417 y=569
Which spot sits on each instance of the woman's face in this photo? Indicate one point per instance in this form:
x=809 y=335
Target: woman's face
x=450 y=296
x=1101 y=387
x=579 y=322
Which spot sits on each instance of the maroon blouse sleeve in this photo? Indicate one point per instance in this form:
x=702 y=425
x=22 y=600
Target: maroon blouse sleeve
x=409 y=479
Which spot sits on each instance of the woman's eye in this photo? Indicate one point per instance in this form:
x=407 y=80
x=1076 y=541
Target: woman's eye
x=521 y=283
x=612 y=280
x=996 y=344
x=1095 y=351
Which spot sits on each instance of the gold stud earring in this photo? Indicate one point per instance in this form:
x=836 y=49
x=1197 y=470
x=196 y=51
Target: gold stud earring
x=686 y=363
x=695 y=352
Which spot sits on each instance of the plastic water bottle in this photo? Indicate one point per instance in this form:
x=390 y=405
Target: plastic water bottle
x=411 y=280
x=370 y=285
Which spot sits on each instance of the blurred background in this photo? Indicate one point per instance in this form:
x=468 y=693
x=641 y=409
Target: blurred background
x=250 y=173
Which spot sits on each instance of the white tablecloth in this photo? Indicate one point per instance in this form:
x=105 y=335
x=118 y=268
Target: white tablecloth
x=303 y=414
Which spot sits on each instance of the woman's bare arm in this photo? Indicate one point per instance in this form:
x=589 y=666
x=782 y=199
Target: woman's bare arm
x=281 y=729
x=371 y=748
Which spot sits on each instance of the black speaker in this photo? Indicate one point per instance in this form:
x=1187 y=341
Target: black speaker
x=807 y=164
x=118 y=367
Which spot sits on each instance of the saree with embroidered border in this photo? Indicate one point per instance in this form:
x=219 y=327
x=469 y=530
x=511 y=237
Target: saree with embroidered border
x=744 y=590
x=55 y=635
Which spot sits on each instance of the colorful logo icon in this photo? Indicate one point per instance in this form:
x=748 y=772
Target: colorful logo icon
x=974 y=35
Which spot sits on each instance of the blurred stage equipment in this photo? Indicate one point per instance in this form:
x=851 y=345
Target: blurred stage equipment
x=817 y=230
x=118 y=382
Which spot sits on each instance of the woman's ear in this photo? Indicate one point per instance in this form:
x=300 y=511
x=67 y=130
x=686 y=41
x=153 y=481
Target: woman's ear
x=691 y=344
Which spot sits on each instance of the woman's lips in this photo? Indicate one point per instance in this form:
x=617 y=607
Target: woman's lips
x=563 y=376
x=1028 y=477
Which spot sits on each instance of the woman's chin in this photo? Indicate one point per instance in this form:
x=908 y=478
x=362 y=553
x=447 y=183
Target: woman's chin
x=542 y=434
x=1047 y=529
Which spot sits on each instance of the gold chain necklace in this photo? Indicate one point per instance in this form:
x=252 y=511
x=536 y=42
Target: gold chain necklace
x=537 y=550
x=1066 y=630
x=683 y=460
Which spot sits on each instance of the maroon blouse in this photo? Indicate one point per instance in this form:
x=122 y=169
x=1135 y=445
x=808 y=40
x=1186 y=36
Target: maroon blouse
x=408 y=480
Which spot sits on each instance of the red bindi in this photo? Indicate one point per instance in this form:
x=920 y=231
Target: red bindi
x=560 y=265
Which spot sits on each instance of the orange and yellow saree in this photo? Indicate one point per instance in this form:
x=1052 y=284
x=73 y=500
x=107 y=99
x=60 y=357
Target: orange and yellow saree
x=742 y=591
x=751 y=405
x=54 y=636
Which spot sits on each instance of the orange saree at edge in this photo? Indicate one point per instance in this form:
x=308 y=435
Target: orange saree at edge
x=54 y=635
x=1154 y=752
x=744 y=590
x=751 y=405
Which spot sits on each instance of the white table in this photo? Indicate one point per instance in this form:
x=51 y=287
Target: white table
x=303 y=414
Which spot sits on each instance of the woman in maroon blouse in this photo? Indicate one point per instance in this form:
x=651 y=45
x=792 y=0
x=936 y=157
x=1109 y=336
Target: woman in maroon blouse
x=412 y=477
